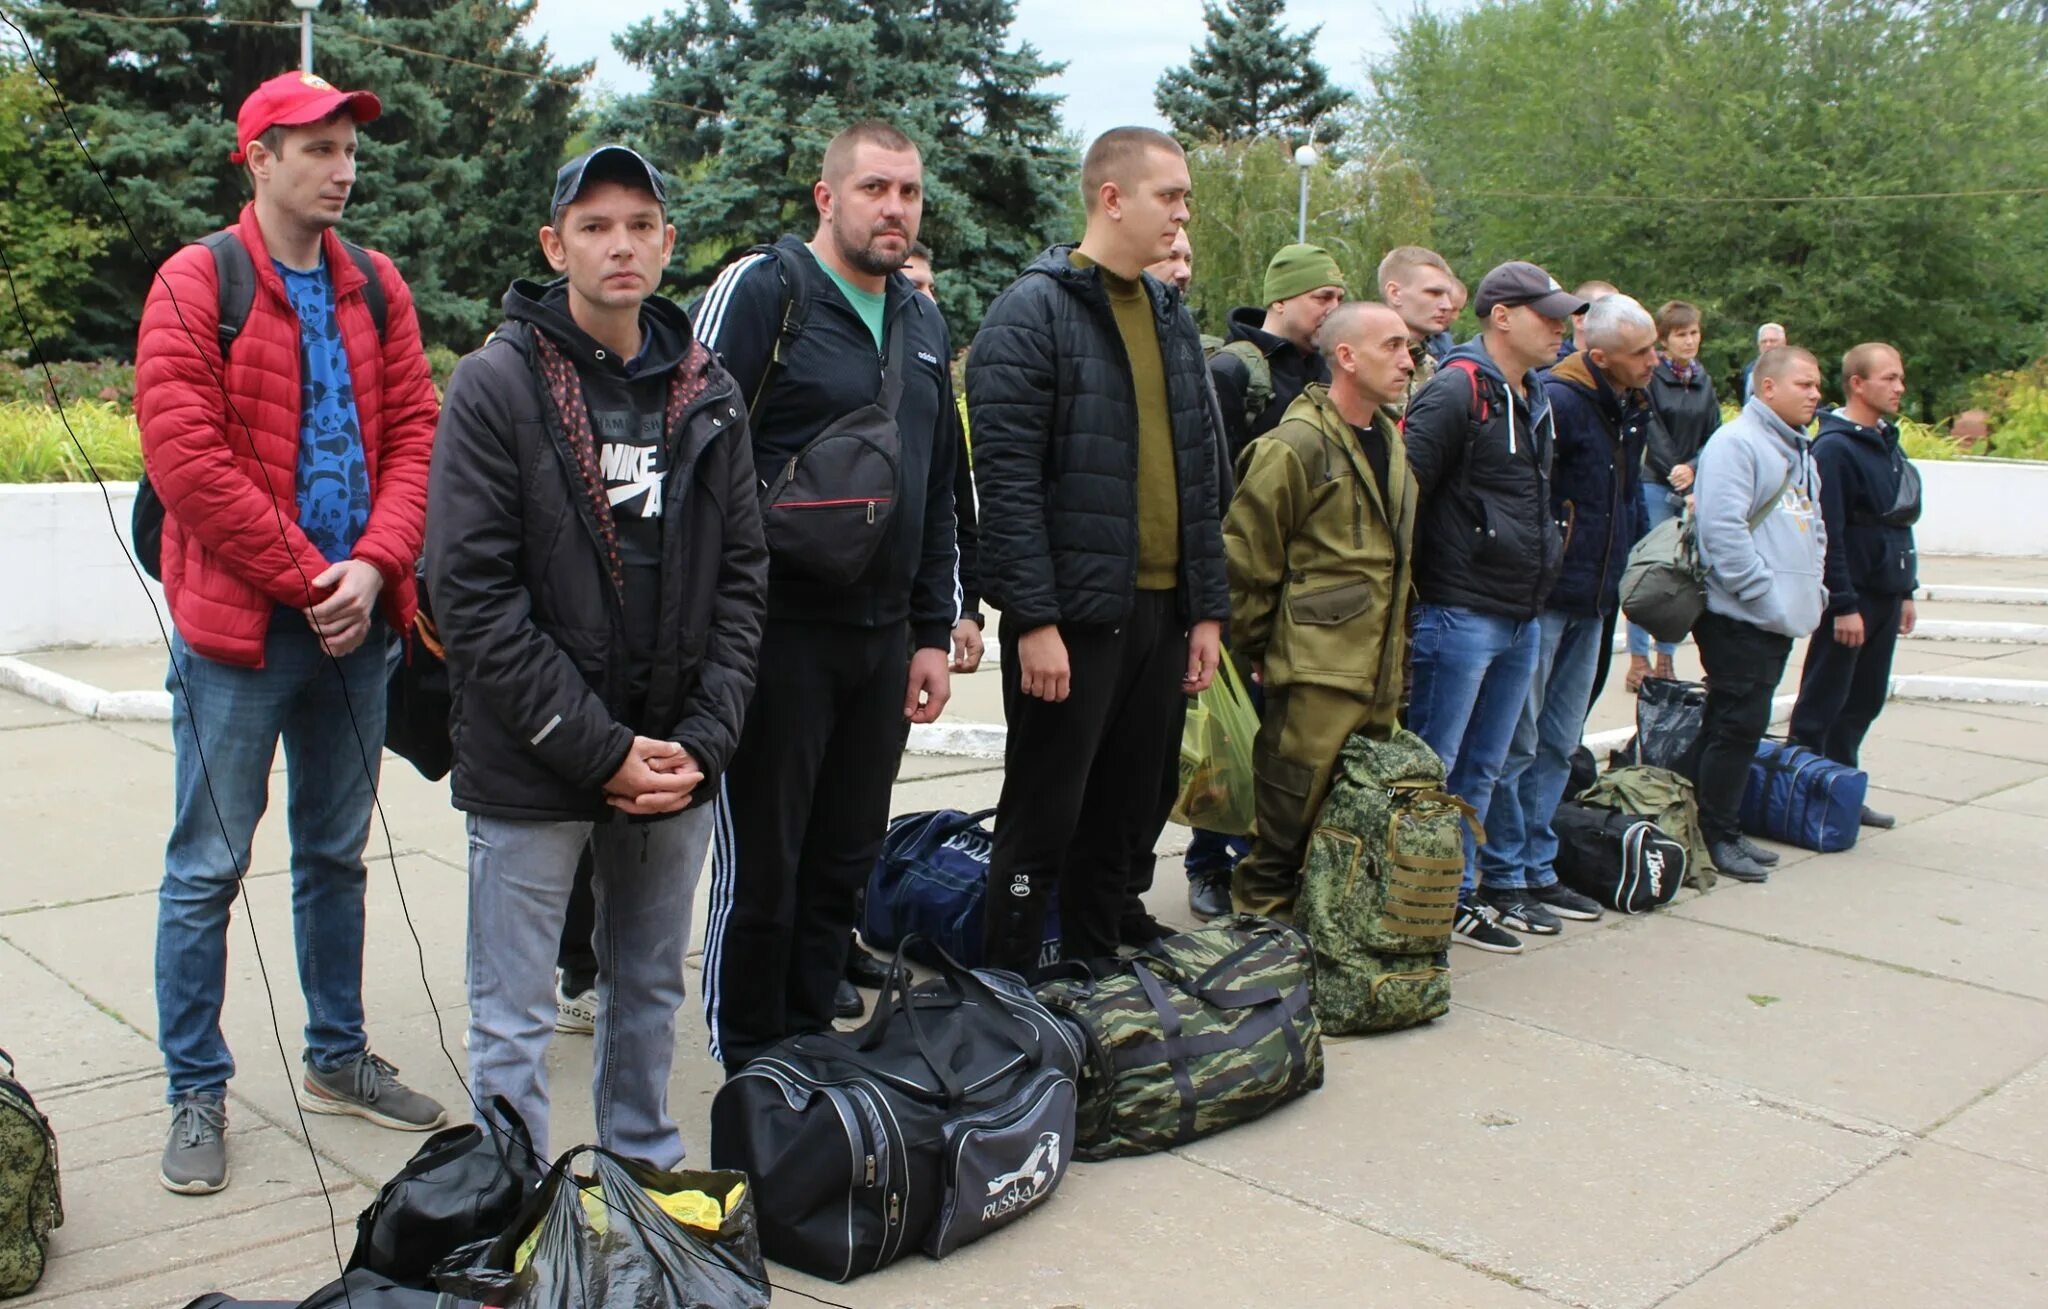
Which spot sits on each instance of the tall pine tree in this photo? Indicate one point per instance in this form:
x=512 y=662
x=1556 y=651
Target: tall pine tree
x=453 y=179
x=767 y=88
x=1250 y=78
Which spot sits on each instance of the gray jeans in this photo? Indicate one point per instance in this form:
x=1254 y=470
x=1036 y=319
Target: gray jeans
x=520 y=874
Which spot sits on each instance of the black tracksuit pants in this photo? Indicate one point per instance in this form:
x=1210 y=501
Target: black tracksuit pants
x=576 y=956
x=1081 y=780
x=1744 y=664
x=1843 y=688
x=801 y=816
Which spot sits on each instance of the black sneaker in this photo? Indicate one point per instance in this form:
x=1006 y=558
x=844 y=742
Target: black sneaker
x=1475 y=926
x=1518 y=911
x=1209 y=893
x=1768 y=858
x=1561 y=900
x=863 y=969
x=196 y=1152
x=1731 y=860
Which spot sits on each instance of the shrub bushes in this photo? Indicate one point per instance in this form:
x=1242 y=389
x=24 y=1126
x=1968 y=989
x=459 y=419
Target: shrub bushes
x=34 y=446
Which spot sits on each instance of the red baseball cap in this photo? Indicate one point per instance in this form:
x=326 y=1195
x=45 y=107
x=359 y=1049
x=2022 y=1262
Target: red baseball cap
x=293 y=100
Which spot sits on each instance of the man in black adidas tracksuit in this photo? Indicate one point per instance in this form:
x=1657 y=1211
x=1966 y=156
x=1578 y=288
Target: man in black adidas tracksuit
x=843 y=662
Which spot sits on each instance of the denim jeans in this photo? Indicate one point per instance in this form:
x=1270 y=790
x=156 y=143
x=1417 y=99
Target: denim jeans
x=226 y=722
x=643 y=879
x=1472 y=673
x=1660 y=504
x=1520 y=843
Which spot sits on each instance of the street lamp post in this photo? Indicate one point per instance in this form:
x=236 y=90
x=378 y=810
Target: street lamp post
x=305 y=8
x=1304 y=159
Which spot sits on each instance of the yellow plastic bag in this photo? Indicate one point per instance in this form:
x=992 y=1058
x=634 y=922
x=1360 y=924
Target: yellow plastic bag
x=1216 y=781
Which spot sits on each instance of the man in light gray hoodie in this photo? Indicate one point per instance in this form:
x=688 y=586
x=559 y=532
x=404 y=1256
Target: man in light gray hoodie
x=1757 y=505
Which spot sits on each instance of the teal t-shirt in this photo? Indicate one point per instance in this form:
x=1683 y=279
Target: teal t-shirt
x=870 y=305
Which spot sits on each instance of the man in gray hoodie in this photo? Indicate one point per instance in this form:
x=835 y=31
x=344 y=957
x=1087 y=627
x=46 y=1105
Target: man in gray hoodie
x=1761 y=536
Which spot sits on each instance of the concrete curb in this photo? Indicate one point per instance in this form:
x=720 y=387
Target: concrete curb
x=82 y=698
x=1970 y=690
x=1949 y=629
x=1987 y=595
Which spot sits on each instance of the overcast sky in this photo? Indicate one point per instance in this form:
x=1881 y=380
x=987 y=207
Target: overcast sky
x=1114 y=52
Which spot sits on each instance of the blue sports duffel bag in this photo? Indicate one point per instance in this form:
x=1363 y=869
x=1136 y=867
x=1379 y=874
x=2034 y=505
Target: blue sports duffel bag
x=1802 y=798
x=930 y=882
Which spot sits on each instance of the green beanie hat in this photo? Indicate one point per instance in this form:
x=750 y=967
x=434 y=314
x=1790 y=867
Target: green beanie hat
x=1299 y=269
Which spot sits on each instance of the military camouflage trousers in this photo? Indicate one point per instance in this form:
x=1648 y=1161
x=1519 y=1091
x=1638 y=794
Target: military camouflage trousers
x=1294 y=757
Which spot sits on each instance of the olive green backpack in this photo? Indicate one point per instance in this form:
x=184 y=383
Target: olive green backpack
x=1380 y=887
x=1258 y=372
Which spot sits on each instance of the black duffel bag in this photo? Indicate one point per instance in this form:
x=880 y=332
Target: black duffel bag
x=1624 y=861
x=361 y=1289
x=463 y=1185
x=948 y=1115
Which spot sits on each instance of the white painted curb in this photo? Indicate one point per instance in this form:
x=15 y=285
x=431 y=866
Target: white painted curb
x=1977 y=690
x=1985 y=595
x=1949 y=629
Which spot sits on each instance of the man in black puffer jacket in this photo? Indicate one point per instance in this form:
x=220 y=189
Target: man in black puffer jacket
x=1101 y=542
x=1487 y=547
x=595 y=561
x=1870 y=499
x=1602 y=419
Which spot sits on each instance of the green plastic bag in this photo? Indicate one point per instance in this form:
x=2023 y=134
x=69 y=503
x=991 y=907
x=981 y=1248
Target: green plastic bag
x=1216 y=781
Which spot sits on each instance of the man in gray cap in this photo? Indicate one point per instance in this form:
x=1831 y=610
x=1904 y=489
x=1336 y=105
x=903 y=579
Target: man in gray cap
x=1487 y=547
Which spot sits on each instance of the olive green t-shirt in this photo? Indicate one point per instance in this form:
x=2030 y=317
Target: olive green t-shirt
x=1158 y=481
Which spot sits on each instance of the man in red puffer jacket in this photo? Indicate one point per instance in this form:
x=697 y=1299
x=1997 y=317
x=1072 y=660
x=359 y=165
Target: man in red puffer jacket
x=293 y=475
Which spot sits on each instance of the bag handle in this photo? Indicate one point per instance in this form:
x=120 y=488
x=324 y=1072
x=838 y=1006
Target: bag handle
x=895 y=996
x=1170 y=1029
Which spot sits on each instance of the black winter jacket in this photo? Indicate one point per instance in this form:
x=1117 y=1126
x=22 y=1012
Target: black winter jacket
x=533 y=627
x=1860 y=472
x=829 y=370
x=1055 y=427
x=1595 y=490
x=1486 y=538
x=1687 y=414
x=1292 y=368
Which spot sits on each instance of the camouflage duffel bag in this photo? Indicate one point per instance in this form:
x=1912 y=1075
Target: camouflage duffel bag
x=1194 y=1034
x=1380 y=887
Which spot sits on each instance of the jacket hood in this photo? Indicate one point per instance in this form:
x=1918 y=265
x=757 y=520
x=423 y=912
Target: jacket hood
x=1248 y=324
x=1767 y=418
x=665 y=331
x=1475 y=350
x=1576 y=370
x=1881 y=437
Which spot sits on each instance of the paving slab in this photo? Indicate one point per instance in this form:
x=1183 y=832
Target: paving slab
x=1932 y=1226
x=1181 y=1233
x=1940 y=726
x=1853 y=1039
x=59 y=1037
x=1946 y=772
x=1951 y=924
x=282 y=1267
x=18 y=710
x=1994 y=844
x=1592 y=1175
x=2010 y=1124
x=2028 y=798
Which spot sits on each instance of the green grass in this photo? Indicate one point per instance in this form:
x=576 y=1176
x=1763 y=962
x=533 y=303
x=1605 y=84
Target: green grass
x=34 y=446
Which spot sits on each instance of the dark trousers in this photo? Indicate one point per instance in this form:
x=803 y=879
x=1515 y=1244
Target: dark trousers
x=1610 y=622
x=1145 y=837
x=1744 y=664
x=576 y=956
x=801 y=817
x=1843 y=688
x=1081 y=780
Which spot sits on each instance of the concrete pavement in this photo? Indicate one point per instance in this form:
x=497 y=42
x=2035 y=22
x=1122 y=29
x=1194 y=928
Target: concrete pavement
x=1828 y=1090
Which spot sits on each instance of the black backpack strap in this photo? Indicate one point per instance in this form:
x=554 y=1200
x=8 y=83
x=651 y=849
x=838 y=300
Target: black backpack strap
x=373 y=286
x=796 y=311
x=235 y=275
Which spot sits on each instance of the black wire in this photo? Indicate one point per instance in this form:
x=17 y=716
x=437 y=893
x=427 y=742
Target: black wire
x=362 y=747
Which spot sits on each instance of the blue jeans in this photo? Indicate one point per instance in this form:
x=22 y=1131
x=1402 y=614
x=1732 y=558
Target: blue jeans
x=1520 y=844
x=1472 y=673
x=225 y=724
x=1660 y=504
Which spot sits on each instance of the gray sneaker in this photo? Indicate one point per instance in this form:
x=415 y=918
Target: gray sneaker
x=368 y=1087
x=196 y=1153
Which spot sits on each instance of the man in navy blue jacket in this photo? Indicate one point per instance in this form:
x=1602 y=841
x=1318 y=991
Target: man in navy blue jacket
x=1869 y=498
x=1602 y=419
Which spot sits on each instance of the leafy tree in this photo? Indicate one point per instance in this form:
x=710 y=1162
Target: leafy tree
x=453 y=178
x=743 y=104
x=1250 y=78
x=1244 y=205
x=1685 y=170
x=48 y=248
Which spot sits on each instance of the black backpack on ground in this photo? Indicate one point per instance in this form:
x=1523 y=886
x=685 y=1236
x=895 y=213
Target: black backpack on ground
x=234 y=273
x=464 y=1184
x=948 y=1115
x=1624 y=861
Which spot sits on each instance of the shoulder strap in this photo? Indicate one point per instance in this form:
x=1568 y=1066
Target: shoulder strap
x=373 y=285
x=892 y=367
x=1258 y=388
x=1480 y=409
x=796 y=310
x=1756 y=519
x=234 y=274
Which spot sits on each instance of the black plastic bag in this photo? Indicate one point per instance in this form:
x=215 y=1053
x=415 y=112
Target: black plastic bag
x=641 y=1259
x=1669 y=715
x=463 y=1185
x=361 y=1289
x=1584 y=772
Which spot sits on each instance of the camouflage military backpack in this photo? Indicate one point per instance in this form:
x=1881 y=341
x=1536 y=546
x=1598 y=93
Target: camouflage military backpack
x=1194 y=1034
x=1380 y=887
x=30 y=1205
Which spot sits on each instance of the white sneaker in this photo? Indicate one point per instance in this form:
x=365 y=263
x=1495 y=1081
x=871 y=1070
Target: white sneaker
x=575 y=1014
